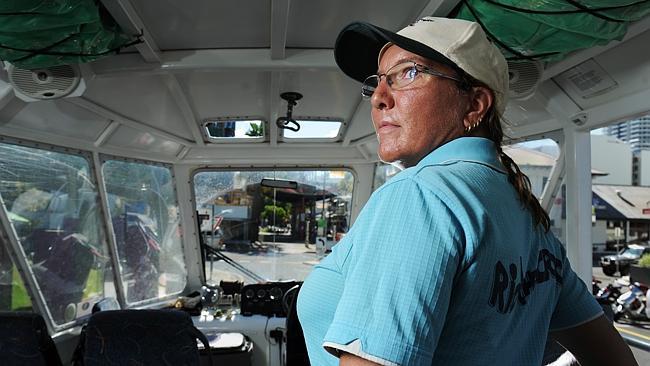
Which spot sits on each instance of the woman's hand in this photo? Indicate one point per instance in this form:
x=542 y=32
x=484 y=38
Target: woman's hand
x=348 y=359
x=596 y=343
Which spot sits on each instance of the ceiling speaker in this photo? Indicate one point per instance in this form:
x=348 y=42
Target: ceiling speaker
x=46 y=83
x=525 y=76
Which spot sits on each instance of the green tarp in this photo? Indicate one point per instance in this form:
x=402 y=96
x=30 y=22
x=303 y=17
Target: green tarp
x=38 y=34
x=552 y=28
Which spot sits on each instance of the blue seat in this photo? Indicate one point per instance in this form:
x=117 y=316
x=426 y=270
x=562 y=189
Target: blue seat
x=24 y=341
x=140 y=337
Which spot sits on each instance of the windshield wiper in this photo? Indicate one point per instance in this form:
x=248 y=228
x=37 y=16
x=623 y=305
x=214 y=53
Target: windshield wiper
x=217 y=253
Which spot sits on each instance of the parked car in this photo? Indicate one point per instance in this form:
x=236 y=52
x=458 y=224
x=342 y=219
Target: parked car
x=621 y=262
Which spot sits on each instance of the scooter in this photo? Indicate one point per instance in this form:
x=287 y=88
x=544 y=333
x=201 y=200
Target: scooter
x=606 y=296
x=633 y=304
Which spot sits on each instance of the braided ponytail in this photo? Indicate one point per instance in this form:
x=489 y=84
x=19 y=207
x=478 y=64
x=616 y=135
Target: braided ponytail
x=518 y=179
x=492 y=127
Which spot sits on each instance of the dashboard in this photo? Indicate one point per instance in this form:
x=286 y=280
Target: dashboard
x=266 y=298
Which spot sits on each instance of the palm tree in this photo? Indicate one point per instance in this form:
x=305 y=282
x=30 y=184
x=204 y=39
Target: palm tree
x=256 y=130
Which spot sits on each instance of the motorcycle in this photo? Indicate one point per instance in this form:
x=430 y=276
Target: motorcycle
x=605 y=296
x=633 y=304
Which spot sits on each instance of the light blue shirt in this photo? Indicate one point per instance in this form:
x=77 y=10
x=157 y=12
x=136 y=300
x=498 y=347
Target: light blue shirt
x=443 y=266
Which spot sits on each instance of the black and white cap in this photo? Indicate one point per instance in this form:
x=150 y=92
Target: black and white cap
x=457 y=43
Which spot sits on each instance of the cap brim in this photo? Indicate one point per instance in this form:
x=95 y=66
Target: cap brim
x=358 y=45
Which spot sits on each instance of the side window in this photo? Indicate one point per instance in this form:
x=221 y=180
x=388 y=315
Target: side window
x=13 y=295
x=383 y=172
x=145 y=219
x=52 y=202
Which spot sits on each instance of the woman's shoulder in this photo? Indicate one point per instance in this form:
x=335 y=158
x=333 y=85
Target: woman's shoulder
x=404 y=183
x=407 y=189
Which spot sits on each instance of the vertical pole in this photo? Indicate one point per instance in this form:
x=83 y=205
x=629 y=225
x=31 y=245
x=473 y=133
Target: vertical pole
x=578 y=205
x=618 y=249
x=213 y=229
x=111 y=240
x=212 y=234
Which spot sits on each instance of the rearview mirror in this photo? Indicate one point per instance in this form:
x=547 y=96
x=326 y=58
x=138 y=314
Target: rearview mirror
x=278 y=183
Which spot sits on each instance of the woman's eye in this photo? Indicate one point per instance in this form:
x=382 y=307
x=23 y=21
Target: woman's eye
x=409 y=73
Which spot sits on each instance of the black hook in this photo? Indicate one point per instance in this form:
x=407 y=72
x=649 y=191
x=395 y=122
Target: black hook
x=283 y=122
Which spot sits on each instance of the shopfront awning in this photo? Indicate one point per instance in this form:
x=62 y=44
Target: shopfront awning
x=614 y=202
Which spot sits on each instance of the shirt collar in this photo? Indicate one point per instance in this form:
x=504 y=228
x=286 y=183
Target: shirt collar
x=471 y=149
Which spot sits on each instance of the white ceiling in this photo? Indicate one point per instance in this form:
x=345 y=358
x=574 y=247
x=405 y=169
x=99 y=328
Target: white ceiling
x=212 y=59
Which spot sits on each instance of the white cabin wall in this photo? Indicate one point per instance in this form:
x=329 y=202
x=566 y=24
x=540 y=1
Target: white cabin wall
x=363 y=178
x=58 y=118
x=80 y=124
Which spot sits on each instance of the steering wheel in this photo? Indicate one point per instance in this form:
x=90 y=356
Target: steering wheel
x=288 y=298
x=296 y=348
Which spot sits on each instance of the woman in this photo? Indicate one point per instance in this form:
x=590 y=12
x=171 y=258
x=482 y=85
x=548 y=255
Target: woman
x=451 y=262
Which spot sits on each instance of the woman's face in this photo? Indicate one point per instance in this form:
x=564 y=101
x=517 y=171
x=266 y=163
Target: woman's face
x=413 y=121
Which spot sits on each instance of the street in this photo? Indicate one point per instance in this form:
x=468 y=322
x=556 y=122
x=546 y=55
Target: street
x=638 y=330
x=274 y=262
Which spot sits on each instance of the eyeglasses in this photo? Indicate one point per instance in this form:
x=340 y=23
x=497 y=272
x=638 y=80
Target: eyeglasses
x=400 y=76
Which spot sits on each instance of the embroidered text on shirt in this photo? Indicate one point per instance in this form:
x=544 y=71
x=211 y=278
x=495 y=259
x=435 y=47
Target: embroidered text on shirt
x=547 y=265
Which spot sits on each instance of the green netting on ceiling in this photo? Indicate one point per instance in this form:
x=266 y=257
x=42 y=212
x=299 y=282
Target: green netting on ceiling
x=548 y=30
x=37 y=33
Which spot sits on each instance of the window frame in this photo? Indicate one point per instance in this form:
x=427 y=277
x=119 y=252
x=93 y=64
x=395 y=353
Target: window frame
x=249 y=168
x=231 y=140
x=147 y=303
x=14 y=246
x=339 y=135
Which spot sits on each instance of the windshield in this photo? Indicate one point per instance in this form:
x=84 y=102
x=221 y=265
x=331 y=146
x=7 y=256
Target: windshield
x=272 y=230
x=632 y=253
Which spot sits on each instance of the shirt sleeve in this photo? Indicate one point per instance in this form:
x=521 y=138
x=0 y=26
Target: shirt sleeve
x=575 y=304
x=398 y=278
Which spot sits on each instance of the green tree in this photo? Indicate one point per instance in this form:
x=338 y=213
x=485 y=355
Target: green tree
x=256 y=130
x=281 y=214
x=645 y=261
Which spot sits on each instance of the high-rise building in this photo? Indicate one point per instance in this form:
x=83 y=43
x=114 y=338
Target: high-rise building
x=635 y=132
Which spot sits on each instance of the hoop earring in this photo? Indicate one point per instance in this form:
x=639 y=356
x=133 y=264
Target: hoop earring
x=469 y=128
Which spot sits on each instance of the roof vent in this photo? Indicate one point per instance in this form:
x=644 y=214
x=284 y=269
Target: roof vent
x=524 y=77
x=46 y=83
x=586 y=80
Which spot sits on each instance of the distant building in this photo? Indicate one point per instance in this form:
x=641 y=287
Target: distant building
x=612 y=156
x=537 y=167
x=625 y=207
x=641 y=168
x=616 y=205
x=635 y=132
x=535 y=164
